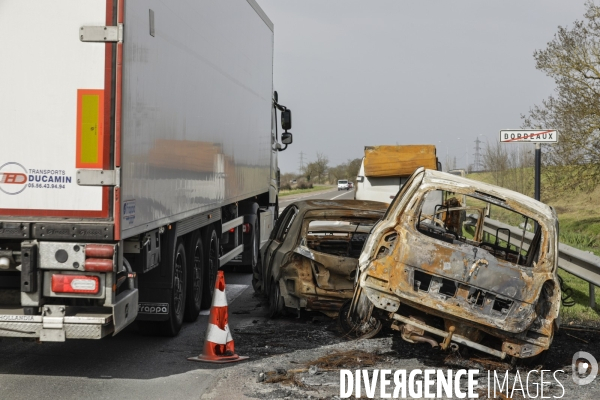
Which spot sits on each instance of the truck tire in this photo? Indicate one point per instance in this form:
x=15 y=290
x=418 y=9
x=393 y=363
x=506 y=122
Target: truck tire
x=195 y=275
x=256 y=259
x=211 y=265
x=171 y=326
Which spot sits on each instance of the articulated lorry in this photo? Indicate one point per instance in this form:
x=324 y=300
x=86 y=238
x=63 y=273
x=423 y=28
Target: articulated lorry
x=139 y=155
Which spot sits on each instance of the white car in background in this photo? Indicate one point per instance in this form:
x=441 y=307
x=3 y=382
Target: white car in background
x=343 y=184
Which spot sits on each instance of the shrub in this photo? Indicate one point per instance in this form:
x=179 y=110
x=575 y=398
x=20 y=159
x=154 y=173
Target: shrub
x=305 y=185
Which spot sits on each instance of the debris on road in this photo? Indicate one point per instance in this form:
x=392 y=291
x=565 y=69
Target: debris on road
x=346 y=359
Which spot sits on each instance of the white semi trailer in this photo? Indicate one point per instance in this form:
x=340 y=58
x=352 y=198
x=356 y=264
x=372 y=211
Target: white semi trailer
x=139 y=155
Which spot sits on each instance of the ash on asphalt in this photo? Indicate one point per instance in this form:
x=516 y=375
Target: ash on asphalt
x=263 y=337
x=291 y=343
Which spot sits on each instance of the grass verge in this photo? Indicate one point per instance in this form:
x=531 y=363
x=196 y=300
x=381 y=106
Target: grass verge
x=283 y=193
x=580 y=313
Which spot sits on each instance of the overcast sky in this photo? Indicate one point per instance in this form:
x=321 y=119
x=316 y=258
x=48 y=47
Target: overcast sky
x=371 y=72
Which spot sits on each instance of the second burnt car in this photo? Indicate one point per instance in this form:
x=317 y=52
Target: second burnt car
x=475 y=268
x=311 y=257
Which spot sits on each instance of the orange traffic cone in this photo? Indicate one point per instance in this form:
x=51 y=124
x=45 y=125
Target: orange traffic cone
x=218 y=343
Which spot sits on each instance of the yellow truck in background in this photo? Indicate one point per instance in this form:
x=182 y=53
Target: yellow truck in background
x=385 y=169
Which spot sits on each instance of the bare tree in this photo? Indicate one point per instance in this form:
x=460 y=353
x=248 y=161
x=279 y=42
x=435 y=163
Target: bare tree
x=352 y=167
x=495 y=160
x=572 y=59
x=321 y=166
x=310 y=171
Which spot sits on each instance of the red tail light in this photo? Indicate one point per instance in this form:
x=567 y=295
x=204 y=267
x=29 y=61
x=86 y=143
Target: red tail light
x=246 y=228
x=75 y=284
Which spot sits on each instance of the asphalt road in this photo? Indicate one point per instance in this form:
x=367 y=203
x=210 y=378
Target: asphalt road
x=132 y=366
x=129 y=365
x=326 y=195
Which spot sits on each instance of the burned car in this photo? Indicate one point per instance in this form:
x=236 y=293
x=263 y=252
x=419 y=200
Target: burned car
x=310 y=260
x=456 y=262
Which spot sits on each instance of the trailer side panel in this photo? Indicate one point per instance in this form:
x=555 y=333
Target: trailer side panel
x=197 y=93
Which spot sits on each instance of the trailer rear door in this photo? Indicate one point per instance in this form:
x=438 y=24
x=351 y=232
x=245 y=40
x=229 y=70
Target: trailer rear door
x=55 y=102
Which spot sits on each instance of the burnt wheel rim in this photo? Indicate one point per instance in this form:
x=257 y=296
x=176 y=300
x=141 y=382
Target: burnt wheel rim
x=274 y=300
x=197 y=274
x=178 y=283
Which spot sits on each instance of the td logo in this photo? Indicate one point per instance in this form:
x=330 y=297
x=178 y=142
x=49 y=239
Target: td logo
x=13 y=178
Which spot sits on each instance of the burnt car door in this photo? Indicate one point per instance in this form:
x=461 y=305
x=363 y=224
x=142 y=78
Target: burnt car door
x=272 y=254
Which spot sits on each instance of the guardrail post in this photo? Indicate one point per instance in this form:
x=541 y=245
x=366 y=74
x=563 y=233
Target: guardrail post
x=592 y=295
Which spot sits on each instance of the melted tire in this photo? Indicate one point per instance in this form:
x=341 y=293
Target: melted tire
x=276 y=302
x=351 y=330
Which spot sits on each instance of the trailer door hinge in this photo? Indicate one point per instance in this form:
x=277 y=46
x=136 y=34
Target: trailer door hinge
x=101 y=34
x=98 y=177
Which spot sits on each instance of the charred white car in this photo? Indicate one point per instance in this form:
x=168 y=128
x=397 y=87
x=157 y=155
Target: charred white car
x=311 y=258
x=476 y=268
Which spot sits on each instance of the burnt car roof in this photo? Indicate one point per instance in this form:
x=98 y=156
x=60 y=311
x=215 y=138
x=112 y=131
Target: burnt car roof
x=515 y=200
x=307 y=205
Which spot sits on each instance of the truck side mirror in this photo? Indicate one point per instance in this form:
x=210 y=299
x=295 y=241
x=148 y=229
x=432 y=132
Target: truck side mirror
x=286 y=120
x=286 y=138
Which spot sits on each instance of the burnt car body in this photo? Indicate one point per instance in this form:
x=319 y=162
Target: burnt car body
x=478 y=269
x=311 y=258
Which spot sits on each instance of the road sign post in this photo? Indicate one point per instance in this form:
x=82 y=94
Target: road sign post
x=533 y=136
x=538 y=167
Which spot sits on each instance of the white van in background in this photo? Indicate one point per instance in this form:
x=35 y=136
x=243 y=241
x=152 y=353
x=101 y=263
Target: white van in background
x=343 y=184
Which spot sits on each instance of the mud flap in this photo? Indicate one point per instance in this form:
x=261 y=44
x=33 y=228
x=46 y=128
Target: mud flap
x=125 y=310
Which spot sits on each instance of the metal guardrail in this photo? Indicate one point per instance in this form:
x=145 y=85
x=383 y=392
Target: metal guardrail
x=580 y=263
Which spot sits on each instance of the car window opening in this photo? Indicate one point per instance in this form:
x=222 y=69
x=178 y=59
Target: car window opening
x=460 y=219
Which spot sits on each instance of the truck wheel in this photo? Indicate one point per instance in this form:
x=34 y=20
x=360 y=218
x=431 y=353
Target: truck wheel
x=195 y=281
x=211 y=262
x=172 y=326
x=256 y=260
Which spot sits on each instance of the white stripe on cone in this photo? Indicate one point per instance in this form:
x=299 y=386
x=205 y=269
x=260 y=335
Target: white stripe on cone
x=219 y=298
x=216 y=335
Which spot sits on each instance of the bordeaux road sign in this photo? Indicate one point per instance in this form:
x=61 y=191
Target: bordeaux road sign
x=534 y=136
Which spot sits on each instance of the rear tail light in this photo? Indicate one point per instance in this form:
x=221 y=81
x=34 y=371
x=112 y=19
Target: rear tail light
x=75 y=284
x=246 y=228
